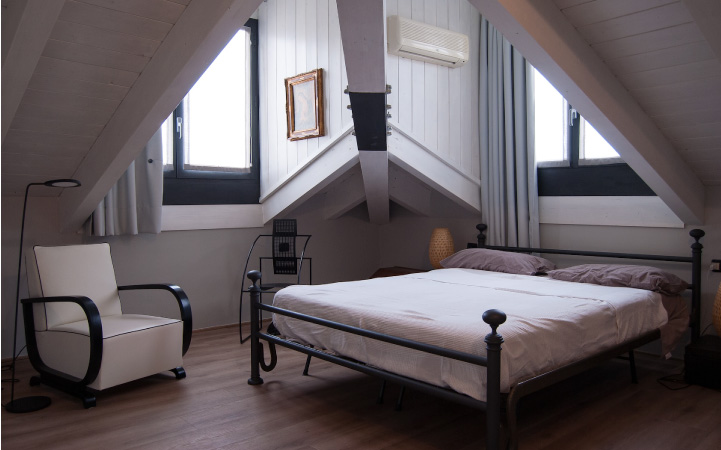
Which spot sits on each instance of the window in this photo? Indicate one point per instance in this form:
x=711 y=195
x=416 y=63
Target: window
x=573 y=158
x=210 y=141
x=551 y=122
x=556 y=142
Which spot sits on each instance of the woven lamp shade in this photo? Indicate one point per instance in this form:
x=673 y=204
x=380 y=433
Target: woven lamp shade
x=440 y=247
x=716 y=314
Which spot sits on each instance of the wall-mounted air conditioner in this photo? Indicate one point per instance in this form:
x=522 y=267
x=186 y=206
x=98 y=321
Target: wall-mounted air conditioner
x=417 y=40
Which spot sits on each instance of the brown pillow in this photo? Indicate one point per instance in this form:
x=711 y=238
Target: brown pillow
x=498 y=261
x=639 y=277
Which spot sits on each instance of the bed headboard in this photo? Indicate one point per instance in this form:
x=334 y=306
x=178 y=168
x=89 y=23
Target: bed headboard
x=694 y=260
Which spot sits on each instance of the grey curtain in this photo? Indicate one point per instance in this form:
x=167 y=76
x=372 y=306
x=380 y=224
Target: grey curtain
x=509 y=195
x=134 y=204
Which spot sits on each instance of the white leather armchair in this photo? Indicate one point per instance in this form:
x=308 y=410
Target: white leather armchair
x=77 y=336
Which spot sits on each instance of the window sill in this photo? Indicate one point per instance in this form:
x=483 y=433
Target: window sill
x=211 y=217
x=642 y=211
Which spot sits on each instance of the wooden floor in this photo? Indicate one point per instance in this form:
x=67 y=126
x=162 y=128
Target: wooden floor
x=335 y=408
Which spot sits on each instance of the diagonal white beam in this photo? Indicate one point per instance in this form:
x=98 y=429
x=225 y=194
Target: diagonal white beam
x=545 y=37
x=28 y=37
x=332 y=164
x=418 y=161
x=196 y=39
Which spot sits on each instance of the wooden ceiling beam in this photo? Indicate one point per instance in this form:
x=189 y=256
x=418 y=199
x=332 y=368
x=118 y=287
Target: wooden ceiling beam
x=362 y=28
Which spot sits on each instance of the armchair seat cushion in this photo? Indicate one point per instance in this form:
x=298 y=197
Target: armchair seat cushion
x=116 y=324
x=134 y=346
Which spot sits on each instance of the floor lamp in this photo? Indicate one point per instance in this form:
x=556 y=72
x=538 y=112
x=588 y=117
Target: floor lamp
x=28 y=404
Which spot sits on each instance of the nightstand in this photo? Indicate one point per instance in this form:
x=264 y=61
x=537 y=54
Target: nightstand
x=703 y=362
x=394 y=271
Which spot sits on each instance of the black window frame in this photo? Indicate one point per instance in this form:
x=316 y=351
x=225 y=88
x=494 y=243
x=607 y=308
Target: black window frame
x=197 y=187
x=576 y=179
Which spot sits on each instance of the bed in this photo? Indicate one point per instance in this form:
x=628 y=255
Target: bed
x=442 y=331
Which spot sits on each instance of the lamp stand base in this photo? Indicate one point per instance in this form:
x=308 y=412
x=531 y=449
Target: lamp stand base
x=27 y=404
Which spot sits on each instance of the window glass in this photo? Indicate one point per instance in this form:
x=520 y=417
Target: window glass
x=167 y=139
x=593 y=145
x=217 y=117
x=550 y=123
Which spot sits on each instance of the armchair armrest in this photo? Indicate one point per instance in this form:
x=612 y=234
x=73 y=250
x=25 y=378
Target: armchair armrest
x=95 y=332
x=185 y=313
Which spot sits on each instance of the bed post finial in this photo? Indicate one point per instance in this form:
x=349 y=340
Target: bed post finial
x=481 y=238
x=255 y=348
x=697 y=234
x=254 y=276
x=696 y=249
x=494 y=318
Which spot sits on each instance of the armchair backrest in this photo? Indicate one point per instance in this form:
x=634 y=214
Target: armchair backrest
x=76 y=270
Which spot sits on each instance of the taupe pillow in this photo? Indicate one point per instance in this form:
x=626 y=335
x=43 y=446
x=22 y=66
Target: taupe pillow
x=498 y=261
x=639 y=277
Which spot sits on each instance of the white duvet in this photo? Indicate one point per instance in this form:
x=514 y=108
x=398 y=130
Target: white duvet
x=550 y=323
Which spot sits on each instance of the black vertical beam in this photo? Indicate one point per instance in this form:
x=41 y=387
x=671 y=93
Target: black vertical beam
x=369 y=120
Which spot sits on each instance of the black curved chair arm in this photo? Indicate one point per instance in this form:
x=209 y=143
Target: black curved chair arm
x=95 y=333
x=185 y=313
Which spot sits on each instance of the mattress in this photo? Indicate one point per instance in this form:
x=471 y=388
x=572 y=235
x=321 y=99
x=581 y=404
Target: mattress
x=550 y=323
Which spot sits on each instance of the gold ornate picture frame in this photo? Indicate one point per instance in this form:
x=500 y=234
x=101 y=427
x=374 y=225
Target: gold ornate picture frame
x=304 y=105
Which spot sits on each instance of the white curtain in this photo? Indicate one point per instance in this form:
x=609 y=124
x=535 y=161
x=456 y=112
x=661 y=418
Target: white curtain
x=134 y=204
x=509 y=195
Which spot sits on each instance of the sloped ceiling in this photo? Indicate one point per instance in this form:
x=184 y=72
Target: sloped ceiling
x=626 y=66
x=85 y=83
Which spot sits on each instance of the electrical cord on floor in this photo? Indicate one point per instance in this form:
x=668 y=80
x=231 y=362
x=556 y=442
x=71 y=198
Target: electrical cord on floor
x=7 y=380
x=679 y=378
x=10 y=366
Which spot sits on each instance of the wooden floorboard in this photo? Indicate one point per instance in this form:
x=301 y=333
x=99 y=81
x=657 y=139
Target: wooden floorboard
x=335 y=408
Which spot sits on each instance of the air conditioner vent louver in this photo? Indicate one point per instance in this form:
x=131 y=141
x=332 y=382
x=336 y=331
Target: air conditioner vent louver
x=420 y=41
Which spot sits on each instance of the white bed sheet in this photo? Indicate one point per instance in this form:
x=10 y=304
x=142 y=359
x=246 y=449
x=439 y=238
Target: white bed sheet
x=550 y=322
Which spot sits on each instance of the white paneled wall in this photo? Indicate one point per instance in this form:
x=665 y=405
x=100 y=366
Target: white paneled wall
x=296 y=37
x=436 y=105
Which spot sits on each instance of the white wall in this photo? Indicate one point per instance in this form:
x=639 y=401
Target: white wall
x=207 y=264
x=436 y=105
x=297 y=37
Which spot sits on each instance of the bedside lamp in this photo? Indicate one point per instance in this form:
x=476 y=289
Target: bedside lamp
x=440 y=247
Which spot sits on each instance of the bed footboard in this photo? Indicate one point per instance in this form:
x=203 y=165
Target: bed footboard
x=492 y=362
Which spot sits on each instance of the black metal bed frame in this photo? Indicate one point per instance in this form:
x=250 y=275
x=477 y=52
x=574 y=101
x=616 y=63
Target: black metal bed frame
x=496 y=402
